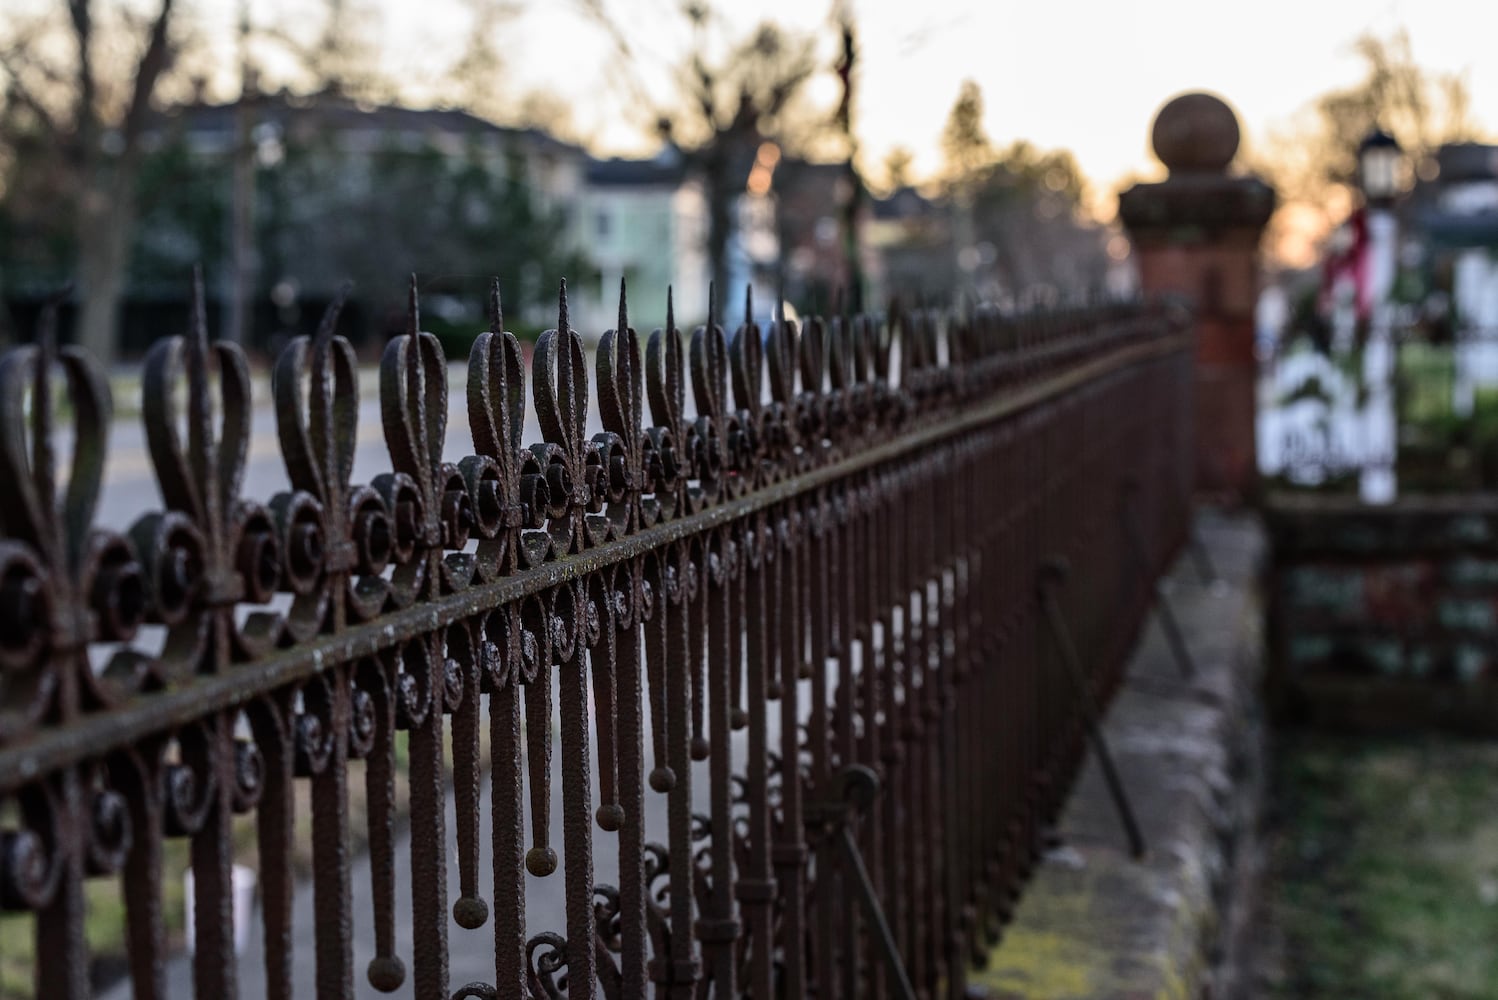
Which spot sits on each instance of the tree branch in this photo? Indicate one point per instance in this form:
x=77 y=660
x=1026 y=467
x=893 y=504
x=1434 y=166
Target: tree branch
x=22 y=93
x=627 y=63
x=83 y=29
x=153 y=61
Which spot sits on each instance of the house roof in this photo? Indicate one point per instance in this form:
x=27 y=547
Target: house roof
x=1467 y=161
x=1474 y=229
x=342 y=114
x=905 y=203
x=661 y=171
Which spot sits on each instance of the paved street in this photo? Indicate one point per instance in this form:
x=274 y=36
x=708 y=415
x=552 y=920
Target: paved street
x=130 y=485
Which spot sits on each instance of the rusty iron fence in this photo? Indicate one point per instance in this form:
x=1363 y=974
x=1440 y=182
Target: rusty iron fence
x=789 y=637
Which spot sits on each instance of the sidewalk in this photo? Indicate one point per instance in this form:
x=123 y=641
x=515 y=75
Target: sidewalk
x=1095 y=923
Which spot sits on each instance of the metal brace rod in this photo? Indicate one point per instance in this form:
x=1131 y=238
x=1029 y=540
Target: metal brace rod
x=855 y=788
x=1206 y=570
x=1053 y=572
x=1168 y=624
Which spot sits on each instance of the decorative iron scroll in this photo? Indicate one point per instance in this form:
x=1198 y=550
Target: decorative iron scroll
x=707 y=611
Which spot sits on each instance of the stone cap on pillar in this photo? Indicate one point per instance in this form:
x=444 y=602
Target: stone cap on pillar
x=1196 y=136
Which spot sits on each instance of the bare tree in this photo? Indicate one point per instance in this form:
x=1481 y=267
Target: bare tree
x=897 y=164
x=343 y=58
x=723 y=109
x=76 y=98
x=478 y=77
x=855 y=194
x=965 y=144
x=1313 y=162
x=728 y=110
x=1018 y=222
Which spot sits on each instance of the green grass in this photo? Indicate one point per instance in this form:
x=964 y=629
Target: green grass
x=1439 y=450
x=104 y=924
x=1426 y=374
x=1384 y=879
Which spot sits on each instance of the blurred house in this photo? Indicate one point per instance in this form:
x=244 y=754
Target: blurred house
x=283 y=198
x=1009 y=240
x=554 y=168
x=811 y=199
x=644 y=221
x=435 y=192
x=451 y=197
x=912 y=236
x=1453 y=221
x=809 y=205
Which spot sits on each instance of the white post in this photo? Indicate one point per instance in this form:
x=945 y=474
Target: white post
x=1380 y=423
x=244 y=908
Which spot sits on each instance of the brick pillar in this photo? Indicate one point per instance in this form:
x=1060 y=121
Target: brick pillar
x=1196 y=235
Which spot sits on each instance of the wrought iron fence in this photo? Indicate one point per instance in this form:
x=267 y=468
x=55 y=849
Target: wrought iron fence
x=802 y=615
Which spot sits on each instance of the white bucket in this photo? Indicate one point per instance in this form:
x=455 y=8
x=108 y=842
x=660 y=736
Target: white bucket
x=244 y=907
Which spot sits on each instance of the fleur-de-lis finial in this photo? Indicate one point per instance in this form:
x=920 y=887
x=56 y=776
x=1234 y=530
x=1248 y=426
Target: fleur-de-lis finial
x=427 y=497
x=46 y=342
x=210 y=549
x=709 y=386
x=496 y=390
x=668 y=438
x=337 y=536
x=413 y=308
x=329 y=321
x=780 y=421
x=200 y=407
x=50 y=550
x=560 y=390
x=746 y=353
x=813 y=404
x=510 y=498
x=622 y=444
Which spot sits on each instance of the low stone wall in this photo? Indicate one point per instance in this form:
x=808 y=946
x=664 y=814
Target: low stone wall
x=1191 y=754
x=1385 y=617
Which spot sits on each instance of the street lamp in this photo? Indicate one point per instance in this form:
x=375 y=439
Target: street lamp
x=1378 y=167
x=1378 y=174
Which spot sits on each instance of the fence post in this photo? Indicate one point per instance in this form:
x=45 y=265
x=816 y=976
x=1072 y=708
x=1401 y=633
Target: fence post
x=1196 y=234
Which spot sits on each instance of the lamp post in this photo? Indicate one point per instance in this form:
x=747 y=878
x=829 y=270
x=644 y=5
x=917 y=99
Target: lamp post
x=1379 y=159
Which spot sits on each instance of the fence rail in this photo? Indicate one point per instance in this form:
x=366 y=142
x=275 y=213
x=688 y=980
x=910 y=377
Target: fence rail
x=785 y=639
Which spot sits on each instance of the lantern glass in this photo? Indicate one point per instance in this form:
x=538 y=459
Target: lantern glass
x=1378 y=166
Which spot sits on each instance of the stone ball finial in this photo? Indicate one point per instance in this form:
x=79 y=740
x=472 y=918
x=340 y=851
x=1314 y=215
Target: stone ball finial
x=1195 y=133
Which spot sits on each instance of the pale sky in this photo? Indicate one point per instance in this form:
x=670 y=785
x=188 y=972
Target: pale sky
x=1086 y=75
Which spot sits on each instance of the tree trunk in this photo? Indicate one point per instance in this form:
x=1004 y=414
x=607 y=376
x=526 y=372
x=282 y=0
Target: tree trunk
x=243 y=259
x=105 y=220
x=106 y=211
x=720 y=198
